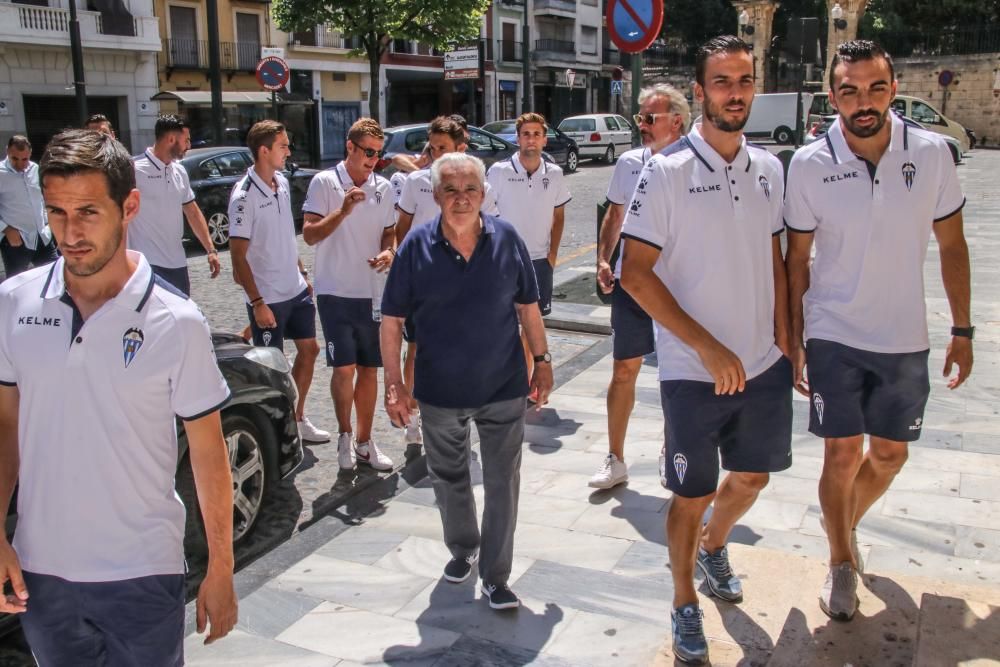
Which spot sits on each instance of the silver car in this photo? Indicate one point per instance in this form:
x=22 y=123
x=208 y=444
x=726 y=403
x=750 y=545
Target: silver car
x=599 y=136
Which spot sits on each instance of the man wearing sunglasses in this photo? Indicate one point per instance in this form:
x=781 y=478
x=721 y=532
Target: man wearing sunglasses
x=348 y=215
x=663 y=115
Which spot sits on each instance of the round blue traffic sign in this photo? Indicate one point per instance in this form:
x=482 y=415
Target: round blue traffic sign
x=634 y=24
x=272 y=73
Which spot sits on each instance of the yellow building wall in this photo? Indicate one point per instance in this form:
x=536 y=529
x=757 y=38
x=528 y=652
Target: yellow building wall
x=341 y=91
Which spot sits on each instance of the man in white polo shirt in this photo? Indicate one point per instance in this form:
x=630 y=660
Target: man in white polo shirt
x=870 y=194
x=98 y=357
x=663 y=116
x=349 y=217
x=267 y=266
x=703 y=257
x=531 y=194
x=167 y=198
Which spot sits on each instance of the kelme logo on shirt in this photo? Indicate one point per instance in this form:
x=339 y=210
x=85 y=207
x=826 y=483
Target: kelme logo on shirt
x=818 y=404
x=680 y=466
x=131 y=342
x=909 y=173
x=636 y=205
x=765 y=186
x=642 y=184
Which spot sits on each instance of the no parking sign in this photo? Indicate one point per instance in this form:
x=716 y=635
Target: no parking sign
x=634 y=24
x=272 y=73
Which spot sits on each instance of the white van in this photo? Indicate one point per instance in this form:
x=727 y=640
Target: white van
x=921 y=111
x=772 y=116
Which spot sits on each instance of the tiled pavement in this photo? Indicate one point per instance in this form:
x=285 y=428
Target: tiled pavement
x=365 y=587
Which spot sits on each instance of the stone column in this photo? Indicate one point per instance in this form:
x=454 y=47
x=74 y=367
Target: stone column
x=853 y=11
x=761 y=13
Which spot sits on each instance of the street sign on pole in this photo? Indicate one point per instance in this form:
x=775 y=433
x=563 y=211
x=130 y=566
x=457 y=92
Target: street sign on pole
x=616 y=87
x=462 y=63
x=272 y=73
x=570 y=77
x=634 y=24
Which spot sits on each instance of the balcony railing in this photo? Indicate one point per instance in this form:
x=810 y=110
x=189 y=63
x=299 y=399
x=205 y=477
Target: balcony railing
x=555 y=45
x=946 y=42
x=32 y=24
x=514 y=3
x=546 y=6
x=193 y=54
x=320 y=37
x=502 y=51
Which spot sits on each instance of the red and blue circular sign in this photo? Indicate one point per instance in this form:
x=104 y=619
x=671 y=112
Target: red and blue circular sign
x=272 y=73
x=634 y=24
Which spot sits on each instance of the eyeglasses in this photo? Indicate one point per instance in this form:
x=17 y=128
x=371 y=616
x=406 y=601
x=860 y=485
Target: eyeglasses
x=648 y=118
x=369 y=152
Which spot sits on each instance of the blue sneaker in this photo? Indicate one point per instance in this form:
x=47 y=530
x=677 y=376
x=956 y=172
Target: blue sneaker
x=719 y=576
x=689 y=635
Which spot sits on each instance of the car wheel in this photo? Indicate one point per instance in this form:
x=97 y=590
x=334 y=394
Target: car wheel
x=783 y=135
x=572 y=161
x=609 y=154
x=253 y=463
x=218 y=229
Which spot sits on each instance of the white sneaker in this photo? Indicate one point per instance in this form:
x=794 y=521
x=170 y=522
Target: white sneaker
x=369 y=454
x=413 y=435
x=345 y=451
x=310 y=433
x=611 y=473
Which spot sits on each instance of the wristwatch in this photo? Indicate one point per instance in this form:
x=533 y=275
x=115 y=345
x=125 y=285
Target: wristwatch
x=964 y=332
x=543 y=358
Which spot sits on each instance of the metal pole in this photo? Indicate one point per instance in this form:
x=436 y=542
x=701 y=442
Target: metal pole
x=215 y=71
x=525 y=69
x=274 y=105
x=76 y=51
x=636 y=80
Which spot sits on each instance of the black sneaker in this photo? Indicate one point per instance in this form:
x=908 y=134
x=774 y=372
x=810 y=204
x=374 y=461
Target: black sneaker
x=458 y=569
x=500 y=596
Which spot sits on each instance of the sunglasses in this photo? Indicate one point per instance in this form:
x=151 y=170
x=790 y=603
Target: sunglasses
x=648 y=118
x=369 y=152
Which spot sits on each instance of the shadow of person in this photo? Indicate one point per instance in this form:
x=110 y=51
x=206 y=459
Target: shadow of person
x=953 y=631
x=646 y=513
x=753 y=640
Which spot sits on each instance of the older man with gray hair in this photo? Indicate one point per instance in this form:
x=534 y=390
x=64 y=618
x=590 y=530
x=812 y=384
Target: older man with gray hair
x=663 y=115
x=467 y=281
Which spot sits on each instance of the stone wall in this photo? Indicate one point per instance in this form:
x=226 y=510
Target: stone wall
x=973 y=98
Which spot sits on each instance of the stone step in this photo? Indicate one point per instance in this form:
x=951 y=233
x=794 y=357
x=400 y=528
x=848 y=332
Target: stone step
x=956 y=631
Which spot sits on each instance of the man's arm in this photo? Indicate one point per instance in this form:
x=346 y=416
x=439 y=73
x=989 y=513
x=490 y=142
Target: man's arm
x=397 y=398
x=214 y=483
x=534 y=331
x=797 y=272
x=403 y=223
x=405 y=163
x=10 y=567
x=196 y=220
x=243 y=275
x=955 y=274
x=317 y=227
x=555 y=238
x=383 y=260
x=649 y=292
x=611 y=229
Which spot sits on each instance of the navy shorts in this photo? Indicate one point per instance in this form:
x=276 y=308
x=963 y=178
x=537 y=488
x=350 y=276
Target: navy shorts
x=178 y=277
x=856 y=391
x=130 y=622
x=295 y=319
x=351 y=333
x=750 y=431
x=631 y=327
x=543 y=275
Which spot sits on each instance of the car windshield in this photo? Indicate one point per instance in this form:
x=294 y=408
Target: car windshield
x=505 y=127
x=578 y=125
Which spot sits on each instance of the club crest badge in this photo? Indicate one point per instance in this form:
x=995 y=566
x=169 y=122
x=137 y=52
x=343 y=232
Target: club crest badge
x=131 y=342
x=765 y=186
x=818 y=405
x=266 y=337
x=545 y=184
x=909 y=173
x=680 y=466
x=329 y=349
x=378 y=197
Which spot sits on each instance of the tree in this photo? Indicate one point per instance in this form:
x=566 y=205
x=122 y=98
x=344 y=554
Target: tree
x=438 y=23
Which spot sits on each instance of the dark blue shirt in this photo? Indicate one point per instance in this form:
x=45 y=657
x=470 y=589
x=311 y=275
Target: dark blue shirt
x=468 y=343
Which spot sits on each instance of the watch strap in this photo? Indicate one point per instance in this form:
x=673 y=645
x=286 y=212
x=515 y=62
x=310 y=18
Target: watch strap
x=964 y=332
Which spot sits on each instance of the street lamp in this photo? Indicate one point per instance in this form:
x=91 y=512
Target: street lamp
x=837 y=14
x=746 y=29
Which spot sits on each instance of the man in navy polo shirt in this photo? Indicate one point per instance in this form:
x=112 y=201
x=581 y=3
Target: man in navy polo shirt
x=466 y=280
x=870 y=195
x=98 y=356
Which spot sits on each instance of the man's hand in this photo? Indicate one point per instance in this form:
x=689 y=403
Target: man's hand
x=214 y=266
x=797 y=355
x=309 y=285
x=216 y=605
x=397 y=404
x=605 y=276
x=13 y=237
x=263 y=316
x=541 y=382
x=959 y=352
x=10 y=570
x=382 y=261
x=724 y=367
x=352 y=198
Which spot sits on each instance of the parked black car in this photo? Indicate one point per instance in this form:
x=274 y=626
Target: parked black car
x=214 y=171
x=559 y=145
x=411 y=139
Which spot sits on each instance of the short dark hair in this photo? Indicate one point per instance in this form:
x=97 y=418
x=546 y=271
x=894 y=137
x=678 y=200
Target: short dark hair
x=714 y=46
x=365 y=127
x=449 y=126
x=19 y=141
x=263 y=133
x=530 y=117
x=168 y=123
x=860 y=49
x=460 y=119
x=96 y=119
x=74 y=152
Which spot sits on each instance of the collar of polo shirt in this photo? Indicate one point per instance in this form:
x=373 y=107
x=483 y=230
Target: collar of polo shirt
x=841 y=152
x=346 y=182
x=133 y=295
x=265 y=188
x=155 y=161
x=710 y=157
x=437 y=234
x=515 y=162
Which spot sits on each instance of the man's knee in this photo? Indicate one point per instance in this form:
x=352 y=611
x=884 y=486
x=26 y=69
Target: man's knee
x=307 y=348
x=887 y=455
x=625 y=371
x=682 y=507
x=842 y=456
x=750 y=482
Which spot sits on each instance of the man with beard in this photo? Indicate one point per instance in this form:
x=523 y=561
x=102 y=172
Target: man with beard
x=702 y=256
x=870 y=194
x=158 y=230
x=663 y=116
x=98 y=357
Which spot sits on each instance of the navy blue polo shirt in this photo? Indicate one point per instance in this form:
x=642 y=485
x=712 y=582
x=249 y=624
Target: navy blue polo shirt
x=468 y=343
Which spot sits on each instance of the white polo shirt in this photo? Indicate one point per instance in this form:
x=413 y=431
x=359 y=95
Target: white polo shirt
x=866 y=287
x=96 y=421
x=623 y=180
x=417 y=198
x=158 y=229
x=397 y=180
x=528 y=201
x=341 y=264
x=264 y=217
x=713 y=222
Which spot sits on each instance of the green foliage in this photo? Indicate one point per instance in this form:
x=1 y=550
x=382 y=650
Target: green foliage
x=893 y=16
x=697 y=21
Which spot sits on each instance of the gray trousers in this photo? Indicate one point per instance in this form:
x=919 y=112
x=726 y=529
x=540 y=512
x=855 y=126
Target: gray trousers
x=447 y=445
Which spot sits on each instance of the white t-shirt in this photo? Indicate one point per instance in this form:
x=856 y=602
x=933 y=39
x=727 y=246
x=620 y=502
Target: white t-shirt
x=258 y=213
x=527 y=201
x=96 y=422
x=158 y=229
x=866 y=286
x=341 y=263
x=713 y=222
x=623 y=180
x=417 y=198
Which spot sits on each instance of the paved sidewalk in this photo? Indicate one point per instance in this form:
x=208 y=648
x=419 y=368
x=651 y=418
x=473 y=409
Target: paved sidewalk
x=365 y=586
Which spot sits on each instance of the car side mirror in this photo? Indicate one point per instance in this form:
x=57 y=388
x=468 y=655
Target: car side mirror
x=937 y=120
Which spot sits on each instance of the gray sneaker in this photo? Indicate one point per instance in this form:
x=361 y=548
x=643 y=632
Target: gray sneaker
x=690 y=645
x=839 y=597
x=719 y=576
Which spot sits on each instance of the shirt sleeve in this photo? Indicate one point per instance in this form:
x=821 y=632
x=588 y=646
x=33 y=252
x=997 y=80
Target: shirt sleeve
x=619 y=177
x=397 y=297
x=798 y=214
x=527 y=281
x=397 y=182
x=777 y=199
x=950 y=199
x=408 y=199
x=241 y=215
x=489 y=206
x=8 y=374
x=647 y=218
x=321 y=197
x=186 y=184
x=197 y=387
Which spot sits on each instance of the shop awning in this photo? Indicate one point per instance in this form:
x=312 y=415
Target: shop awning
x=204 y=97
